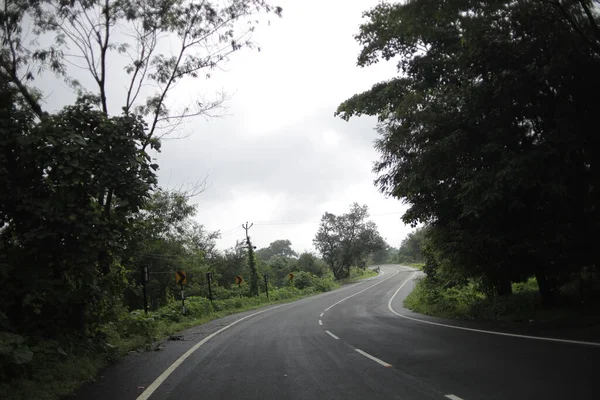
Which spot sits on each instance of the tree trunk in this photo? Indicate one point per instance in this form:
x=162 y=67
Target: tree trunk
x=544 y=288
x=504 y=287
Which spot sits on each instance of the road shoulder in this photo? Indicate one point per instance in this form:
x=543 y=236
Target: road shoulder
x=508 y=327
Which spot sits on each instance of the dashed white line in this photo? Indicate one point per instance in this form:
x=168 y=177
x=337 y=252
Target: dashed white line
x=453 y=397
x=332 y=335
x=377 y=360
x=596 y=344
x=359 y=292
x=322 y=314
x=320 y=322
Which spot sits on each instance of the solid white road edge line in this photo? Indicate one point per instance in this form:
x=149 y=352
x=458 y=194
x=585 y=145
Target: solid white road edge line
x=548 y=339
x=154 y=385
x=453 y=397
x=359 y=292
x=332 y=335
x=320 y=322
x=377 y=360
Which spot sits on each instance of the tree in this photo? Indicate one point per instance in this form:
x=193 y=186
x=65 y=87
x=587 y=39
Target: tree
x=385 y=255
x=98 y=35
x=56 y=224
x=309 y=263
x=347 y=240
x=411 y=249
x=282 y=248
x=165 y=237
x=489 y=133
x=124 y=41
x=230 y=263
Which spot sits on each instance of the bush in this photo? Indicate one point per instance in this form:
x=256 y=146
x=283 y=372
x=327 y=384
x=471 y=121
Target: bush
x=303 y=279
x=137 y=323
x=197 y=306
x=324 y=284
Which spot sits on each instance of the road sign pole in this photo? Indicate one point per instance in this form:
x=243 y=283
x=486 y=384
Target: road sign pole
x=240 y=289
x=182 y=300
x=145 y=278
x=266 y=286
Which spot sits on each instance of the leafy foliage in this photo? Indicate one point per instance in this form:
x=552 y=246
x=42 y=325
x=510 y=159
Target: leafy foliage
x=282 y=248
x=412 y=247
x=488 y=132
x=347 y=240
x=58 y=227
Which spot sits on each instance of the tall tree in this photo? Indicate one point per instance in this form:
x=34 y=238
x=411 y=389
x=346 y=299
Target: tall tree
x=125 y=41
x=411 y=248
x=489 y=132
x=282 y=248
x=347 y=240
x=53 y=227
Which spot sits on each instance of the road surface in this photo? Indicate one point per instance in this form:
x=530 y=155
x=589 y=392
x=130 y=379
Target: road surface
x=354 y=343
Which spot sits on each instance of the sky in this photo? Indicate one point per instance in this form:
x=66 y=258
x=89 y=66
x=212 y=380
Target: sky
x=277 y=157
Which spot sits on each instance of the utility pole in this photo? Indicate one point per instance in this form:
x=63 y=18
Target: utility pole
x=251 y=262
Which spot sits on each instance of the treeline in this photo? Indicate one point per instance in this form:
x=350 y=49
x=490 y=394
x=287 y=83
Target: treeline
x=81 y=214
x=489 y=134
x=80 y=207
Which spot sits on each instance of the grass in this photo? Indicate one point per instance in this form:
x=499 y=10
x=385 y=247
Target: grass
x=51 y=376
x=357 y=274
x=522 y=306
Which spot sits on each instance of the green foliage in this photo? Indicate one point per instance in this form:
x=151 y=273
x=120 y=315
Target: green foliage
x=281 y=248
x=488 y=133
x=412 y=247
x=386 y=255
x=347 y=240
x=60 y=229
x=165 y=237
x=55 y=372
x=309 y=263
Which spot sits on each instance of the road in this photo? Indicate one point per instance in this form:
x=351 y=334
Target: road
x=353 y=343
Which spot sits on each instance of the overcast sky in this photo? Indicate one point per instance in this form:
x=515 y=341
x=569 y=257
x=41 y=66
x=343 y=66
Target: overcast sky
x=279 y=158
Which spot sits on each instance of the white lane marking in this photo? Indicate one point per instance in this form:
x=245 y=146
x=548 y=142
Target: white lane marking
x=377 y=360
x=548 y=339
x=154 y=385
x=321 y=314
x=359 y=292
x=332 y=335
x=320 y=322
x=453 y=397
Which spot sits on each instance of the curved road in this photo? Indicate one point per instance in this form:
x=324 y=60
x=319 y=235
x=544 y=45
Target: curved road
x=352 y=343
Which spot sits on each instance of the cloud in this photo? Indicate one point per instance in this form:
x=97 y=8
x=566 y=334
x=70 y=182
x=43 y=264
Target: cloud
x=278 y=157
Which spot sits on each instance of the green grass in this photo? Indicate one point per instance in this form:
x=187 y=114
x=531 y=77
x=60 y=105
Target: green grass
x=357 y=274
x=522 y=306
x=51 y=376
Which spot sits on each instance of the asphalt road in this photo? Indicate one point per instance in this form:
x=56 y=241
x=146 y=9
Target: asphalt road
x=353 y=343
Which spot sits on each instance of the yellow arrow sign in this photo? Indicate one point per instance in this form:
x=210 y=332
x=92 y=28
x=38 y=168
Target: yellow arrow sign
x=180 y=278
x=238 y=279
x=291 y=276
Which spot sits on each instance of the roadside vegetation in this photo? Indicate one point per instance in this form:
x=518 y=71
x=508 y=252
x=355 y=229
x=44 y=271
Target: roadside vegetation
x=82 y=215
x=487 y=133
x=62 y=365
